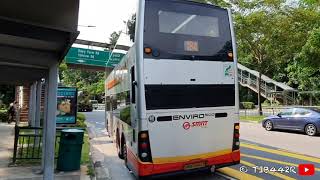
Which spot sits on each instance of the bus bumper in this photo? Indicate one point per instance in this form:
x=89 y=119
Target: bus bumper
x=150 y=169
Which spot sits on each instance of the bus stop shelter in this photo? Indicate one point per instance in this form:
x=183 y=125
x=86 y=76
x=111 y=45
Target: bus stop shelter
x=34 y=37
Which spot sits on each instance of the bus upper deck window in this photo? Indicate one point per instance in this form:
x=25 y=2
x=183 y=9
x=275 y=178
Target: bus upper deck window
x=188 y=24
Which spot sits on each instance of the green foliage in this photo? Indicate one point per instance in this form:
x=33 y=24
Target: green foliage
x=85 y=156
x=6 y=95
x=312 y=2
x=90 y=82
x=81 y=117
x=252 y=118
x=4 y=116
x=221 y=3
x=131 y=24
x=114 y=38
x=304 y=71
x=247 y=105
x=280 y=40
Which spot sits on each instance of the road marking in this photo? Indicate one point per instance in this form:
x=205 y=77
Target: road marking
x=273 y=160
x=225 y=176
x=237 y=174
x=279 y=175
x=282 y=153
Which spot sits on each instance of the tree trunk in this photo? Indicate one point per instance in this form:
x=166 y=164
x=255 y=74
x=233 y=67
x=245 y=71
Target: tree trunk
x=259 y=94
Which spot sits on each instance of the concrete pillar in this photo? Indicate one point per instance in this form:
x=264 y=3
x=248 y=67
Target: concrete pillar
x=51 y=123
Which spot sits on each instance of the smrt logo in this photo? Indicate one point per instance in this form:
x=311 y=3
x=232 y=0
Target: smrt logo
x=188 y=125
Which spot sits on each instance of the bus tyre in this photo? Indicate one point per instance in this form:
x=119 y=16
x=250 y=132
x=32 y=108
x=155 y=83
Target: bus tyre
x=119 y=146
x=120 y=155
x=143 y=178
x=268 y=125
x=124 y=152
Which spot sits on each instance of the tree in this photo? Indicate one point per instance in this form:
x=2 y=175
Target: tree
x=305 y=70
x=255 y=34
x=6 y=95
x=271 y=36
x=221 y=3
x=90 y=82
x=114 y=38
x=131 y=24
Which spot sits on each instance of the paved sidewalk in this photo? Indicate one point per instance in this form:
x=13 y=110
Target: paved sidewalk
x=26 y=173
x=6 y=143
x=103 y=152
x=29 y=173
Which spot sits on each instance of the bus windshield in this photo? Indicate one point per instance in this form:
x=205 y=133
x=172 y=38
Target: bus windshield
x=186 y=31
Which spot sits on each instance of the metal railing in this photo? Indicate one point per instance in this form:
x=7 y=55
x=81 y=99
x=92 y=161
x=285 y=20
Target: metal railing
x=269 y=89
x=28 y=143
x=267 y=111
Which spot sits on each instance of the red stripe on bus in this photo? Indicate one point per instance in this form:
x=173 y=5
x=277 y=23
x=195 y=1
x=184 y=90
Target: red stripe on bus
x=146 y=169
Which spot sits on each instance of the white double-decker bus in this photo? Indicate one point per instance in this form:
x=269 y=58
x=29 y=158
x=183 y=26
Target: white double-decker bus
x=173 y=99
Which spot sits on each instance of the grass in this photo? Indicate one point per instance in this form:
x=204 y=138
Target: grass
x=252 y=118
x=85 y=158
x=90 y=170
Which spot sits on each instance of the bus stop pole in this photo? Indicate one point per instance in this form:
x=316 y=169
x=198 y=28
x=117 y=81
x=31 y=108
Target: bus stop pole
x=51 y=123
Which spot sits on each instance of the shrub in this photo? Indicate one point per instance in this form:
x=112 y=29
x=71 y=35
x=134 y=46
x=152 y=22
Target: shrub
x=3 y=116
x=247 y=105
x=266 y=103
x=81 y=120
x=81 y=117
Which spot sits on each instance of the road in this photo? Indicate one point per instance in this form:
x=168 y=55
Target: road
x=279 y=152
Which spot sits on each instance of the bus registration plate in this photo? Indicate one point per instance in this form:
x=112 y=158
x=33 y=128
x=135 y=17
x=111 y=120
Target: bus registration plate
x=195 y=165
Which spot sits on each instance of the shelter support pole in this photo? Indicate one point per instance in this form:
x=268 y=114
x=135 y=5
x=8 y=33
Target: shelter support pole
x=44 y=124
x=51 y=123
x=38 y=109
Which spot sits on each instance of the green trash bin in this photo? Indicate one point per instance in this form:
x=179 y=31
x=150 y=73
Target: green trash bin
x=70 y=147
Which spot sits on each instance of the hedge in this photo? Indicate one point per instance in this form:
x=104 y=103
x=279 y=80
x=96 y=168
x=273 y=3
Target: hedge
x=247 y=105
x=81 y=120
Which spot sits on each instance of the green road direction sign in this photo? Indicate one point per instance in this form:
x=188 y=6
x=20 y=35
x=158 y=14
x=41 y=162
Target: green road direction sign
x=92 y=57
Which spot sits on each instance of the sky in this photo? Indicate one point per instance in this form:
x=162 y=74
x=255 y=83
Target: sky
x=106 y=15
